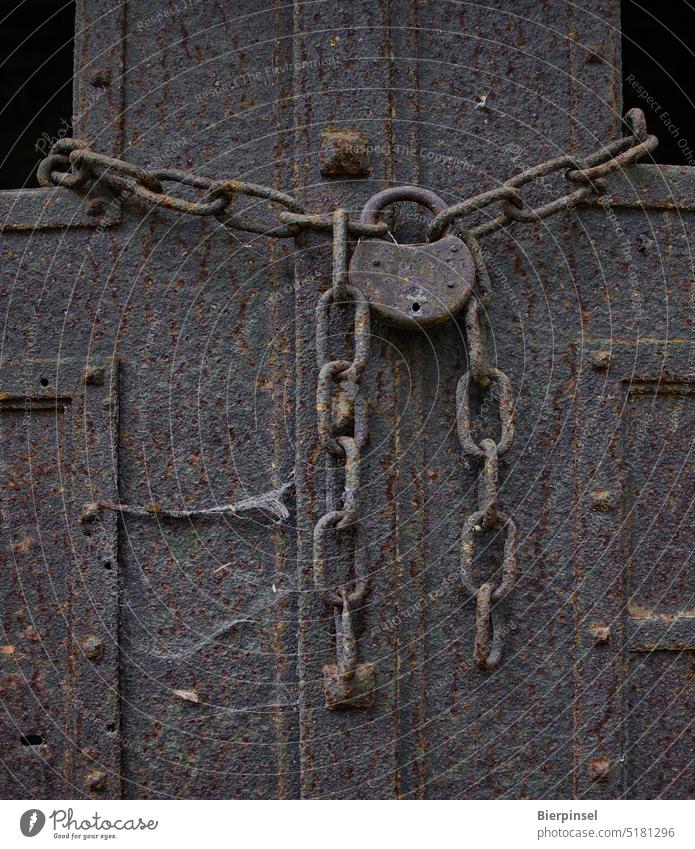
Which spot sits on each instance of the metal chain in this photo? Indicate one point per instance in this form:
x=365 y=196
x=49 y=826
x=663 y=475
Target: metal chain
x=342 y=427
x=586 y=174
x=72 y=164
x=341 y=408
x=490 y=623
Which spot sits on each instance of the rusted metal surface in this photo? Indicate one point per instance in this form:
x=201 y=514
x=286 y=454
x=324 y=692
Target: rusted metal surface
x=650 y=187
x=60 y=675
x=223 y=640
x=47 y=209
x=632 y=419
x=204 y=330
x=211 y=604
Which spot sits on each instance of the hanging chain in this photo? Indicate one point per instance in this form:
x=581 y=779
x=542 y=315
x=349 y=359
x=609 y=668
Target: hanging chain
x=342 y=428
x=490 y=623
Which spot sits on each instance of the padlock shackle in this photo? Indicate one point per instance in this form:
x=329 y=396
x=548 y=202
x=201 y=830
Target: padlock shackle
x=378 y=202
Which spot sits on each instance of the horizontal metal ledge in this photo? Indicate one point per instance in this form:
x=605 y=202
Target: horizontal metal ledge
x=51 y=209
x=666 y=633
x=659 y=187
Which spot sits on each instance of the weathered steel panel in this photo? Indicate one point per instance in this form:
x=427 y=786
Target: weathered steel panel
x=510 y=103
x=48 y=209
x=60 y=691
x=661 y=419
x=209 y=605
x=203 y=324
x=633 y=437
x=222 y=637
x=659 y=744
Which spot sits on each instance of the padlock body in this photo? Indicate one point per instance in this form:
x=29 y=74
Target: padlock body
x=413 y=285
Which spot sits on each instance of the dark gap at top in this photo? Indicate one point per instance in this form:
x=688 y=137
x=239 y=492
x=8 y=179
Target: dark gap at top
x=36 y=69
x=658 y=73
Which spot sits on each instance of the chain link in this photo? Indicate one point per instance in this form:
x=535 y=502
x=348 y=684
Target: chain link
x=342 y=427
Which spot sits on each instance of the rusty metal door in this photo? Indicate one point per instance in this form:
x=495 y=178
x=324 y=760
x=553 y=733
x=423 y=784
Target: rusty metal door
x=162 y=636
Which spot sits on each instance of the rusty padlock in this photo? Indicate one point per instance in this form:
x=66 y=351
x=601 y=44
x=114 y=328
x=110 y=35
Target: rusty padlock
x=411 y=285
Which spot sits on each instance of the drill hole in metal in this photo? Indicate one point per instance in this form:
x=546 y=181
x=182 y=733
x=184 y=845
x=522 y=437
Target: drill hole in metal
x=31 y=740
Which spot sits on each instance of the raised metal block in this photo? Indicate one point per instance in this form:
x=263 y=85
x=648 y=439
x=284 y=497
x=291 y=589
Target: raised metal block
x=344 y=153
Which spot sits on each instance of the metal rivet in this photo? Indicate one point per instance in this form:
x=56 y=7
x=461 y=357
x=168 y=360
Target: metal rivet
x=101 y=78
x=600 y=360
x=94 y=375
x=93 y=647
x=344 y=153
x=600 y=769
x=601 y=499
x=593 y=55
x=454 y=248
x=376 y=263
x=601 y=634
x=96 y=207
x=90 y=512
x=95 y=780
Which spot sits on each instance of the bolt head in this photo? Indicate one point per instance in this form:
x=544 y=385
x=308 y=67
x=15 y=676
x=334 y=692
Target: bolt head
x=92 y=647
x=601 y=634
x=344 y=153
x=94 y=376
x=96 y=206
x=600 y=360
x=101 y=78
x=600 y=769
x=95 y=780
x=602 y=499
